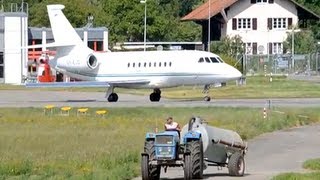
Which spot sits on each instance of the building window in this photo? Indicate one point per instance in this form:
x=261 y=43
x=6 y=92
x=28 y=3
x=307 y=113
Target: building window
x=244 y=23
x=279 y=23
x=262 y=1
x=275 y=48
x=247 y=48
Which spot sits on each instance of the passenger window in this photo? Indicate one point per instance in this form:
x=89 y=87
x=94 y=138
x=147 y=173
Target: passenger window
x=170 y=64
x=155 y=64
x=149 y=64
x=145 y=64
x=139 y=64
x=165 y=64
x=214 y=60
x=207 y=60
x=128 y=64
x=201 y=60
x=134 y=64
x=159 y=64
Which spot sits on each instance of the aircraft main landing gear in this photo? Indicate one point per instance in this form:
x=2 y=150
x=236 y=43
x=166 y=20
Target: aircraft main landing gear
x=113 y=97
x=156 y=95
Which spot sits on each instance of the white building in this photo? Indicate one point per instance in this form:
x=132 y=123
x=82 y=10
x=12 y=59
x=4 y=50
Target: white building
x=13 y=36
x=262 y=24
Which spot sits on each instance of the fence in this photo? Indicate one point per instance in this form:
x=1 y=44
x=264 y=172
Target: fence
x=304 y=64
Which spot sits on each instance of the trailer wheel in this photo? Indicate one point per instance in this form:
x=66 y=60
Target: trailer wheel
x=196 y=158
x=187 y=167
x=236 y=164
x=153 y=171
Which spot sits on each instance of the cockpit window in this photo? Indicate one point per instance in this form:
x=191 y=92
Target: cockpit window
x=220 y=59
x=201 y=60
x=214 y=60
x=207 y=60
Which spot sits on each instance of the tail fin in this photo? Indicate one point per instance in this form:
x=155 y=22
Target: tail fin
x=63 y=32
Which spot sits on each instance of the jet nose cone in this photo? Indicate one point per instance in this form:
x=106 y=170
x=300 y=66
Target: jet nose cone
x=235 y=73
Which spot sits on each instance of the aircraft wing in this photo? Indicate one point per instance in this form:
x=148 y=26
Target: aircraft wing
x=126 y=83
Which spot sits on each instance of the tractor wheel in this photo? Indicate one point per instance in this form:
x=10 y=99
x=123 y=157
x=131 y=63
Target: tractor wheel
x=154 y=171
x=196 y=153
x=236 y=164
x=187 y=167
x=145 y=168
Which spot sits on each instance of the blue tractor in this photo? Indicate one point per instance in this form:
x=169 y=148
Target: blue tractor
x=200 y=146
x=165 y=150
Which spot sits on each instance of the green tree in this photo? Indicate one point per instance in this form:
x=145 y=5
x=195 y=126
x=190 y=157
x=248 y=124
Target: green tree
x=304 y=42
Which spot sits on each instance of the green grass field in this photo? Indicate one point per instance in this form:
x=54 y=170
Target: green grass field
x=256 y=87
x=38 y=146
x=312 y=164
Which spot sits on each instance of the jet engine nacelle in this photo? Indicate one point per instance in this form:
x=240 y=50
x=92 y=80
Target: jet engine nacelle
x=80 y=62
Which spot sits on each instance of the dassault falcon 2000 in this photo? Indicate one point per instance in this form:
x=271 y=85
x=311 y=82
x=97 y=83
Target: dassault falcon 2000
x=143 y=69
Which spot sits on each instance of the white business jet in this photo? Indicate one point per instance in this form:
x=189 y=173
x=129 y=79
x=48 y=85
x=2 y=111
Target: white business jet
x=149 y=69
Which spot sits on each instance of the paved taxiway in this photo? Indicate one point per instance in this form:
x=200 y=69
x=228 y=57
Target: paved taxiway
x=26 y=98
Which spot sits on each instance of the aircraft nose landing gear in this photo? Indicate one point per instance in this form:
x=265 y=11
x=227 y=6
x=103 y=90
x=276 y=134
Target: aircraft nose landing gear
x=206 y=91
x=156 y=95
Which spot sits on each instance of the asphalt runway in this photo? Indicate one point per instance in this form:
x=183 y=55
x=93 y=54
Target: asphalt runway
x=36 y=98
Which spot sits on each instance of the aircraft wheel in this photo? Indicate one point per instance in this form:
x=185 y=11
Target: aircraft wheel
x=207 y=98
x=155 y=97
x=113 y=97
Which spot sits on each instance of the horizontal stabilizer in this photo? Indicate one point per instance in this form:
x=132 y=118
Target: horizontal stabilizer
x=47 y=45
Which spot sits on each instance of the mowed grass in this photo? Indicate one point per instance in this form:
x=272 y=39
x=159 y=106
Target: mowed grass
x=38 y=146
x=256 y=87
x=312 y=164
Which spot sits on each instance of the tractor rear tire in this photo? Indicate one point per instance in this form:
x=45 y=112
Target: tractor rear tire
x=236 y=164
x=154 y=171
x=187 y=167
x=196 y=158
x=145 y=167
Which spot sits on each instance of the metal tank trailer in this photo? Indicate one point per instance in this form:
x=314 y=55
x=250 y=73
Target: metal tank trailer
x=196 y=147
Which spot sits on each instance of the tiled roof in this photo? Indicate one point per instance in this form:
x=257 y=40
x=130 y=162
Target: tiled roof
x=216 y=6
x=202 y=12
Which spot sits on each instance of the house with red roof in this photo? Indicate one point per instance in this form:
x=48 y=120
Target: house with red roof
x=262 y=24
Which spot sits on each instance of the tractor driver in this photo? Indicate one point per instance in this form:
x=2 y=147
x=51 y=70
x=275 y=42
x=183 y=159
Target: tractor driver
x=170 y=125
